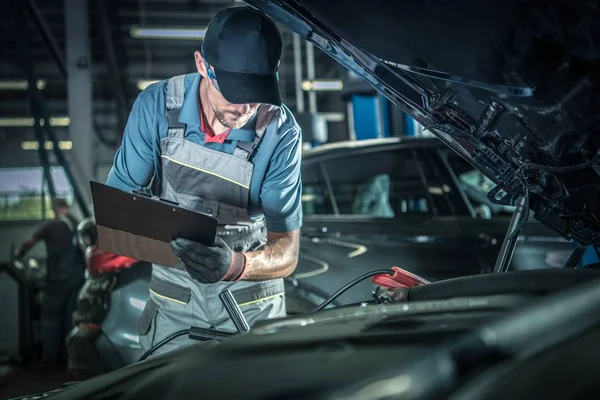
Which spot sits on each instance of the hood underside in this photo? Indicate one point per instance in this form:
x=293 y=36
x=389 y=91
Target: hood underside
x=512 y=86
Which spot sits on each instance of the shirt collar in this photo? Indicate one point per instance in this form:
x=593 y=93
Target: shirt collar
x=189 y=109
x=190 y=115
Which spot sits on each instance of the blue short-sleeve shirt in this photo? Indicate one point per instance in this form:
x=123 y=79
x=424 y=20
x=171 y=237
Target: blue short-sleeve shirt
x=275 y=189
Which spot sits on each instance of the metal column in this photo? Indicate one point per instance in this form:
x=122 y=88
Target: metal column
x=298 y=74
x=310 y=74
x=79 y=89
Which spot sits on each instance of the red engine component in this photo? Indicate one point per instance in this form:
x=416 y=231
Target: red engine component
x=100 y=262
x=400 y=279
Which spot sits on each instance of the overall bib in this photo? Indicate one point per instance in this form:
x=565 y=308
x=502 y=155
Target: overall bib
x=218 y=184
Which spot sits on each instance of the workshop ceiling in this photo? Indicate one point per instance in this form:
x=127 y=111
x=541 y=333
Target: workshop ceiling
x=137 y=59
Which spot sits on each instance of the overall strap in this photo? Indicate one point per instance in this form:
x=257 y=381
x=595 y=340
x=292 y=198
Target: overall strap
x=174 y=102
x=267 y=116
x=71 y=227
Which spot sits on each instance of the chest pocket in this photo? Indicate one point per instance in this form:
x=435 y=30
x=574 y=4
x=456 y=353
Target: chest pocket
x=195 y=181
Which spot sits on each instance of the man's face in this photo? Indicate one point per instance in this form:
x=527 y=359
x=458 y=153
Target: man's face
x=231 y=115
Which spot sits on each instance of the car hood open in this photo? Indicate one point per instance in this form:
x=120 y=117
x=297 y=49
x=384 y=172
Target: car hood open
x=512 y=86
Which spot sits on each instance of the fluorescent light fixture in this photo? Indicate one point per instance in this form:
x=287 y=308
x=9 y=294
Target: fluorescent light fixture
x=20 y=84
x=333 y=116
x=28 y=122
x=308 y=197
x=319 y=85
x=436 y=190
x=16 y=122
x=29 y=145
x=144 y=83
x=60 y=121
x=48 y=145
x=164 y=32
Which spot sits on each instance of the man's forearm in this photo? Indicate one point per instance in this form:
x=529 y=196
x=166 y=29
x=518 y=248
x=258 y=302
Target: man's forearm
x=277 y=259
x=25 y=247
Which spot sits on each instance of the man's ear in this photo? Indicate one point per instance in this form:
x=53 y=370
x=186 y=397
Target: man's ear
x=200 y=66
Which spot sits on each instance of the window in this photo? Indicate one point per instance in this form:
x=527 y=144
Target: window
x=24 y=194
x=476 y=186
x=385 y=184
x=315 y=197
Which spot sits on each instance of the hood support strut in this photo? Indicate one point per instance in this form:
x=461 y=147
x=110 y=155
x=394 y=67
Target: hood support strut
x=512 y=235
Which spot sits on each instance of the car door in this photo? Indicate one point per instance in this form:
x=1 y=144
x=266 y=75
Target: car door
x=538 y=247
x=375 y=208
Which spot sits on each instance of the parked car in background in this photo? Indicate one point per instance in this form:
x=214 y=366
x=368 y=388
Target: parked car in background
x=411 y=203
x=105 y=335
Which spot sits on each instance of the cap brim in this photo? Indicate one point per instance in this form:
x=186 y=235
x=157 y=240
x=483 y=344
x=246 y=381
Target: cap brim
x=240 y=88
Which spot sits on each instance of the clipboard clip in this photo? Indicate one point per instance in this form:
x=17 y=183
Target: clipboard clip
x=150 y=196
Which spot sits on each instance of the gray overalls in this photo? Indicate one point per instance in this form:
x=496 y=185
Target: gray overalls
x=215 y=183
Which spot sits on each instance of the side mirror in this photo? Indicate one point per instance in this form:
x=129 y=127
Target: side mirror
x=483 y=211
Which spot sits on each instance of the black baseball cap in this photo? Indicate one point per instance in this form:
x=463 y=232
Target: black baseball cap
x=243 y=46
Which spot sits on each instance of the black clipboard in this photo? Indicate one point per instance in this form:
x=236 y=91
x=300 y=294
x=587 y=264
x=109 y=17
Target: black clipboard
x=141 y=226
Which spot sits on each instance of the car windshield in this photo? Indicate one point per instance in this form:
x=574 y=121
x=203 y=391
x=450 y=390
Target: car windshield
x=381 y=183
x=476 y=186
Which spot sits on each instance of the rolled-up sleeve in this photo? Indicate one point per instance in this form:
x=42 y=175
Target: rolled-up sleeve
x=281 y=193
x=133 y=164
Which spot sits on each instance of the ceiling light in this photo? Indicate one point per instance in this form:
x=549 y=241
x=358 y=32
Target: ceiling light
x=20 y=84
x=333 y=116
x=308 y=197
x=65 y=145
x=175 y=32
x=29 y=122
x=322 y=85
x=436 y=190
x=60 y=121
x=48 y=145
x=143 y=83
x=14 y=122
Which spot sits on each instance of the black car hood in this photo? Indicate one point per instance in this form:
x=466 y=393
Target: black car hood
x=512 y=86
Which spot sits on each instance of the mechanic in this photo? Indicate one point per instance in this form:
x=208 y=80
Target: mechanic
x=64 y=276
x=219 y=141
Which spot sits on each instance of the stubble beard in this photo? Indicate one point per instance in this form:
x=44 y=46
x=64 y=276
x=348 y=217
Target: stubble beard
x=240 y=121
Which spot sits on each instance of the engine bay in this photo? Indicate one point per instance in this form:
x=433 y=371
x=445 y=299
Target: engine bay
x=517 y=98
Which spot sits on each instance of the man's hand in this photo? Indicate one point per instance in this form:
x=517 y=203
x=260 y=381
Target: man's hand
x=208 y=264
x=25 y=247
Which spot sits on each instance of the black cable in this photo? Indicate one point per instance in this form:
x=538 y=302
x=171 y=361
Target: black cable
x=195 y=333
x=163 y=342
x=191 y=332
x=349 y=285
x=568 y=168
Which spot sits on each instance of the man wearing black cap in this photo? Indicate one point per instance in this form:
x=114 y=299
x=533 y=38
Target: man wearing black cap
x=219 y=141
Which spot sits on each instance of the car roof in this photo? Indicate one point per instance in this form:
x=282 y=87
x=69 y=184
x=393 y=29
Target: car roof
x=370 y=143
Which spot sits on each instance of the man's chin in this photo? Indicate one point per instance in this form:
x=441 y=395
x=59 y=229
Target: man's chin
x=237 y=124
